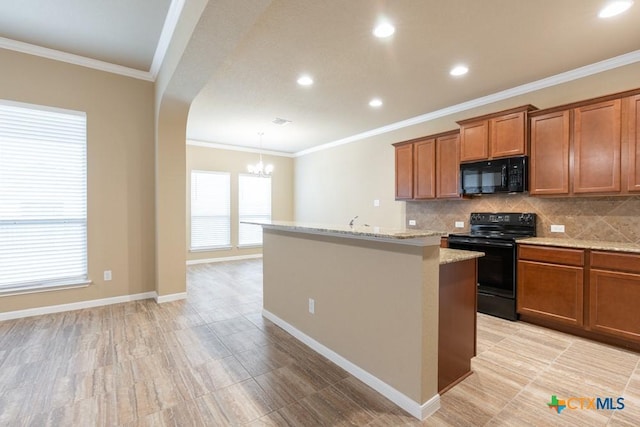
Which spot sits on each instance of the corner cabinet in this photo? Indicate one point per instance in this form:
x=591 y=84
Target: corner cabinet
x=587 y=148
x=428 y=167
x=501 y=134
x=588 y=292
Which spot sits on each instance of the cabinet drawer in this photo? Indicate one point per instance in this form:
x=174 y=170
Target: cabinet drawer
x=615 y=261
x=552 y=255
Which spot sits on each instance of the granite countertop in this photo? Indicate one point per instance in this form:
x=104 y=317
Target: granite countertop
x=448 y=256
x=582 y=244
x=358 y=231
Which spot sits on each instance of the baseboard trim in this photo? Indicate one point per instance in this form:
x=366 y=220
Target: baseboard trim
x=171 y=297
x=419 y=411
x=50 y=309
x=222 y=259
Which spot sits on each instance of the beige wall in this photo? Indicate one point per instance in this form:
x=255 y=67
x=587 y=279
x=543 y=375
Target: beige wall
x=120 y=146
x=363 y=311
x=235 y=162
x=335 y=184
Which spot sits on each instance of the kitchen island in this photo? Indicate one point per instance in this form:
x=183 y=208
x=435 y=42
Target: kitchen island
x=367 y=298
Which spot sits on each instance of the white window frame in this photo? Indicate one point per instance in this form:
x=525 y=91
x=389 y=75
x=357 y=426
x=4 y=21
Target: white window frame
x=253 y=217
x=48 y=229
x=210 y=247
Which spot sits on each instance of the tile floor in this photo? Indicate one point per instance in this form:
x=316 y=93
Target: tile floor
x=212 y=360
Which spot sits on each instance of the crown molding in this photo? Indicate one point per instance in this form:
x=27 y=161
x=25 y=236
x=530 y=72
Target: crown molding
x=577 y=73
x=205 y=144
x=169 y=27
x=73 y=59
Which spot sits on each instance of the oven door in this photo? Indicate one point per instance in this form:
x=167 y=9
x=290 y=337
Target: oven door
x=496 y=274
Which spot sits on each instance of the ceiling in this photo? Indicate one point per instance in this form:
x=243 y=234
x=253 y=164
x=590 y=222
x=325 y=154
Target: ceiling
x=505 y=44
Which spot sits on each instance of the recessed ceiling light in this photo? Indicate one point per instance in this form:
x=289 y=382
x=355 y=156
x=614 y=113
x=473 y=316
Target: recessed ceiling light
x=375 y=102
x=383 y=30
x=459 y=70
x=615 y=8
x=305 y=80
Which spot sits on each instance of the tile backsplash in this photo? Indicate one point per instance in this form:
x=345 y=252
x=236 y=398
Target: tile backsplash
x=614 y=219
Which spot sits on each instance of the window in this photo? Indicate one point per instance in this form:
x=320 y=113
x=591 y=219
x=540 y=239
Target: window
x=43 y=197
x=254 y=200
x=210 y=210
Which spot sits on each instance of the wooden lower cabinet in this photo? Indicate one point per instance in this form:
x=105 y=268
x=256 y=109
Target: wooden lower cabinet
x=614 y=294
x=591 y=293
x=457 y=322
x=551 y=291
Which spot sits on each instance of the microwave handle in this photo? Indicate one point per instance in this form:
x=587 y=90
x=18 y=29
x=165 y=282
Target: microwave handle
x=504 y=176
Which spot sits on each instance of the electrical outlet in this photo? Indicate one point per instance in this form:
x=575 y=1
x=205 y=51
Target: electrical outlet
x=107 y=275
x=557 y=228
x=459 y=224
x=376 y=203
x=312 y=306
x=412 y=222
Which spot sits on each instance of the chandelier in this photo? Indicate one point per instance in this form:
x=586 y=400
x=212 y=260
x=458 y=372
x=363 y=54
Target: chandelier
x=259 y=168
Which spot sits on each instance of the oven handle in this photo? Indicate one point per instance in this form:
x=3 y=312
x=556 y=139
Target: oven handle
x=476 y=242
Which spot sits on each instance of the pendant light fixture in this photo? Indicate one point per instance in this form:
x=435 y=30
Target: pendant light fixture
x=259 y=168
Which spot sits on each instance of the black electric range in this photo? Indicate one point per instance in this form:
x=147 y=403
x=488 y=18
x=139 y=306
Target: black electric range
x=496 y=234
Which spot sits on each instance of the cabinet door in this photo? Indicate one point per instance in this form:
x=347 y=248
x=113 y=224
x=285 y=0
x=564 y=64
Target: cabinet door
x=633 y=176
x=549 y=158
x=596 y=148
x=474 y=141
x=508 y=135
x=614 y=299
x=424 y=166
x=448 y=166
x=404 y=172
x=550 y=291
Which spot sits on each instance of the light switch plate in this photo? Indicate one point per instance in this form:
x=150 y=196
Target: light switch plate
x=107 y=275
x=557 y=228
x=412 y=222
x=459 y=224
x=376 y=203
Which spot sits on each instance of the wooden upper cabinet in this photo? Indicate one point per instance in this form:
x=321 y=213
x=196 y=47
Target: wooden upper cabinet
x=428 y=167
x=424 y=167
x=404 y=171
x=633 y=162
x=474 y=141
x=596 y=147
x=448 y=166
x=508 y=135
x=501 y=134
x=549 y=157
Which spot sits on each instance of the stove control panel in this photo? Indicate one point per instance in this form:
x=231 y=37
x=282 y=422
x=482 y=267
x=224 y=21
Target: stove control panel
x=503 y=218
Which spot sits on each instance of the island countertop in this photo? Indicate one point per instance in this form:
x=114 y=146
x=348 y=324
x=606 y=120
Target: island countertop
x=448 y=256
x=394 y=235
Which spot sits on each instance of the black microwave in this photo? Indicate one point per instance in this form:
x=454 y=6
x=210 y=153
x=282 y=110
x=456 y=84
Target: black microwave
x=507 y=175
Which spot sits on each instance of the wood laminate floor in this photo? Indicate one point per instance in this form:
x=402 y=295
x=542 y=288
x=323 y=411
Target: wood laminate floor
x=212 y=360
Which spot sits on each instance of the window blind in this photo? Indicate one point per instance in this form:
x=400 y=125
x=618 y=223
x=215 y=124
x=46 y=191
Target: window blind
x=43 y=196
x=210 y=210
x=254 y=204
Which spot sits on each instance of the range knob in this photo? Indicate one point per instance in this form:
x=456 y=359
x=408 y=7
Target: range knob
x=526 y=218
